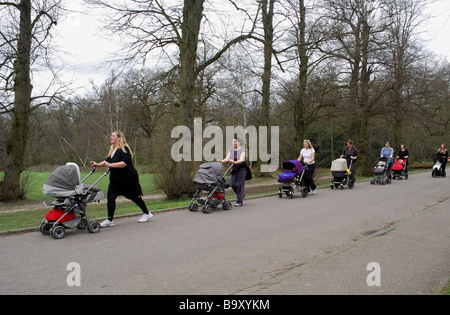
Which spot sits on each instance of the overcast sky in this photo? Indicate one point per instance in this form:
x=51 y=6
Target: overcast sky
x=438 y=28
x=87 y=50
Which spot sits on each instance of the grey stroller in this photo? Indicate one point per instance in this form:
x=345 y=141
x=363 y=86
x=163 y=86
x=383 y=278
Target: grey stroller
x=381 y=172
x=71 y=197
x=211 y=185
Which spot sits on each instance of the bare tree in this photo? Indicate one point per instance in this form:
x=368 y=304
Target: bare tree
x=148 y=98
x=24 y=38
x=352 y=42
x=403 y=55
x=157 y=26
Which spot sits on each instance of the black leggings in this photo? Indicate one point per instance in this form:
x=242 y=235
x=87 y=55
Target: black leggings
x=112 y=204
x=309 y=176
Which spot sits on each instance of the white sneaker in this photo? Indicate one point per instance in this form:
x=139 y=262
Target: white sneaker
x=313 y=192
x=145 y=217
x=107 y=223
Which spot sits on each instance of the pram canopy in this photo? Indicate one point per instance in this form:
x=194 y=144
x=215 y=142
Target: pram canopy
x=292 y=166
x=209 y=173
x=339 y=165
x=290 y=169
x=65 y=182
x=62 y=181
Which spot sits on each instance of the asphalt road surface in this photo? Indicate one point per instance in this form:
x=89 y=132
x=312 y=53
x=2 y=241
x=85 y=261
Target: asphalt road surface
x=374 y=239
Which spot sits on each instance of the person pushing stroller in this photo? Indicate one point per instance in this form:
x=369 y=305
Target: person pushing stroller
x=236 y=156
x=388 y=152
x=351 y=154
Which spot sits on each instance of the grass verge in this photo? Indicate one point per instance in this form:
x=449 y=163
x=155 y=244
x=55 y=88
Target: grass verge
x=445 y=290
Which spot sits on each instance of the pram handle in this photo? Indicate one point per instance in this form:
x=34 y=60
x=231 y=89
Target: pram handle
x=90 y=173
x=347 y=156
x=95 y=183
x=229 y=168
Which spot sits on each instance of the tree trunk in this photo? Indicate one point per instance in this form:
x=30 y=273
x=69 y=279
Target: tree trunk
x=17 y=141
x=192 y=16
x=267 y=16
x=300 y=123
x=366 y=110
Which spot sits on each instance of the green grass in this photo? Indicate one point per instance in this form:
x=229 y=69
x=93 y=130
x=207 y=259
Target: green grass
x=446 y=289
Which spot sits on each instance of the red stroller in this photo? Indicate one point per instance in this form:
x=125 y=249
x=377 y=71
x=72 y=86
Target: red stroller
x=71 y=197
x=399 y=169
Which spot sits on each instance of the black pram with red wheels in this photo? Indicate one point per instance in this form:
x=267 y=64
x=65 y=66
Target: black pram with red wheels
x=211 y=184
x=71 y=197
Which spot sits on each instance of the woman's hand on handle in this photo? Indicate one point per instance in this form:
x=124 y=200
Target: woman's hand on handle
x=101 y=164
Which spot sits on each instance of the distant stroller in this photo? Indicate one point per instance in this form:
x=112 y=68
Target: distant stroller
x=437 y=167
x=292 y=178
x=399 y=170
x=71 y=198
x=381 y=172
x=341 y=174
x=210 y=182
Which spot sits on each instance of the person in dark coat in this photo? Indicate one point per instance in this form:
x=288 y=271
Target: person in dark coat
x=404 y=154
x=442 y=156
x=351 y=153
x=123 y=178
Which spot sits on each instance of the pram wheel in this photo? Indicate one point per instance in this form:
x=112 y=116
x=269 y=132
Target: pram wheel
x=82 y=225
x=94 y=227
x=305 y=192
x=45 y=227
x=58 y=232
x=193 y=207
x=227 y=205
x=351 y=184
x=207 y=209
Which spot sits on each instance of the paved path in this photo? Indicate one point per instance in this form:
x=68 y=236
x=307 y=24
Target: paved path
x=321 y=244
